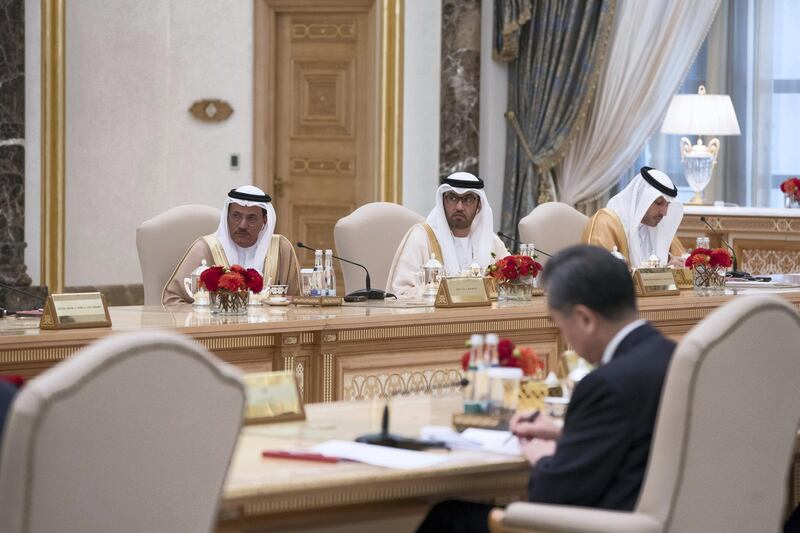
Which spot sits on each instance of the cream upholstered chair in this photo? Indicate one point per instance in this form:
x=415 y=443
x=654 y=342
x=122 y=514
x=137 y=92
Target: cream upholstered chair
x=370 y=235
x=134 y=433
x=724 y=436
x=162 y=241
x=552 y=226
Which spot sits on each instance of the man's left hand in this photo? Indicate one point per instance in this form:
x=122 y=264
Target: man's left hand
x=676 y=262
x=535 y=449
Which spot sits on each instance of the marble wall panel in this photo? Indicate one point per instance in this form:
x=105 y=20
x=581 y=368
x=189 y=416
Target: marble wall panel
x=460 y=85
x=12 y=143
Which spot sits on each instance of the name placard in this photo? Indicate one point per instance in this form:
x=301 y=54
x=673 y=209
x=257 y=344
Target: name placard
x=272 y=397
x=323 y=301
x=75 y=310
x=462 y=292
x=491 y=287
x=655 y=282
x=683 y=278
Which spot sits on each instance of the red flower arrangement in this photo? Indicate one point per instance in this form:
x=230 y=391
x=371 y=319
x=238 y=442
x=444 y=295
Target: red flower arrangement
x=791 y=188
x=518 y=357
x=513 y=267
x=234 y=279
x=703 y=257
x=229 y=286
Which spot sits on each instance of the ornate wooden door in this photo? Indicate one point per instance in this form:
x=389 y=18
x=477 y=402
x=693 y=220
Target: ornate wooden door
x=315 y=123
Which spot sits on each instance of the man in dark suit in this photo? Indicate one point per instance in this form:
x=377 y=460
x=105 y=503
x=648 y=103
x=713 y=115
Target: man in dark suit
x=599 y=457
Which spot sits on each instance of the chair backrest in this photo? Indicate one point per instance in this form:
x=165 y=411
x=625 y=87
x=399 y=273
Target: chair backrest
x=370 y=235
x=727 y=422
x=134 y=433
x=552 y=226
x=162 y=241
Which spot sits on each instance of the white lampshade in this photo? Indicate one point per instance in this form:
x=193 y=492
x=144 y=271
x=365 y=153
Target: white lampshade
x=701 y=114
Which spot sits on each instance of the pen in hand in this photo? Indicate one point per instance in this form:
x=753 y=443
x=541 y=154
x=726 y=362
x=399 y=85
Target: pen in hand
x=529 y=419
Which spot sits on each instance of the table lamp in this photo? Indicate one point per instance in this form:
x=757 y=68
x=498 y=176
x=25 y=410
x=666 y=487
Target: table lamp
x=700 y=114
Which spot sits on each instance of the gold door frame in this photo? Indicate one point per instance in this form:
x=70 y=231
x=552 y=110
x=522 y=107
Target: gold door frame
x=53 y=111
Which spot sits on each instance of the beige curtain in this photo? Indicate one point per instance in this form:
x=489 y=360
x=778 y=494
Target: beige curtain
x=653 y=44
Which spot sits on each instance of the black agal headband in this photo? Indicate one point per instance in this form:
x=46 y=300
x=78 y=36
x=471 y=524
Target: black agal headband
x=266 y=198
x=671 y=192
x=464 y=184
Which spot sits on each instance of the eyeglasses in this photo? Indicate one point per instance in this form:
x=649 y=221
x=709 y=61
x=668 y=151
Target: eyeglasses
x=249 y=220
x=452 y=199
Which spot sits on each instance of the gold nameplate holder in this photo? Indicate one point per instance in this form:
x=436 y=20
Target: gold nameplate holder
x=655 y=282
x=272 y=397
x=321 y=301
x=491 y=287
x=462 y=292
x=683 y=278
x=75 y=310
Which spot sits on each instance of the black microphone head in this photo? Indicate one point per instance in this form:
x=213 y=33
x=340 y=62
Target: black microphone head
x=702 y=219
x=300 y=244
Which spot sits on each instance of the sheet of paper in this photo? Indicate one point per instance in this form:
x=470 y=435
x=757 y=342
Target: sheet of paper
x=449 y=436
x=379 y=455
x=485 y=440
x=494 y=441
x=735 y=283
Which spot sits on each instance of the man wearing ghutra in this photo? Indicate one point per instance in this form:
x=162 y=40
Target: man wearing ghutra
x=641 y=221
x=458 y=231
x=245 y=237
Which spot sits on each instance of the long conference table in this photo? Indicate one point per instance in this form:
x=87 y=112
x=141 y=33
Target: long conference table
x=353 y=352
x=347 y=354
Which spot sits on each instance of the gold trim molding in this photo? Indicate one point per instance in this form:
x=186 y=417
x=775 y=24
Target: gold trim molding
x=391 y=101
x=510 y=480
x=52 y=144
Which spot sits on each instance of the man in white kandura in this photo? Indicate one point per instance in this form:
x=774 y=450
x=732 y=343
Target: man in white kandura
x=458 y=231
x=246 y=237
x=641 y=220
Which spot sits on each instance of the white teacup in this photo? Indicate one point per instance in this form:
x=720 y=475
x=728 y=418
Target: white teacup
x=278 y=291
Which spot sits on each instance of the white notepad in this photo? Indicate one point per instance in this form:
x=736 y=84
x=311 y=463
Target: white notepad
x=485 y=440
x=379 y=455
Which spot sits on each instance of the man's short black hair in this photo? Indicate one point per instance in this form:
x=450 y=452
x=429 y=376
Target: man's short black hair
x=589 y=276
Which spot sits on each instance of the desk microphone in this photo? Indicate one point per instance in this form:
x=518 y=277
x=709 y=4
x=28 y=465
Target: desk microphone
x=517 y=241
x=369 y=292
x=384 y=438
x=4 y=311
x=735 y=273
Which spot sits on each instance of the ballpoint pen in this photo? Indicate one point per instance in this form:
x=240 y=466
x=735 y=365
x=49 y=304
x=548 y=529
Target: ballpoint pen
x=529 y=419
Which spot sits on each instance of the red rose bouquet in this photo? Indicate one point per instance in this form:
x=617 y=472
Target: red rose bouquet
x=708 y=270
x=703 y=257
x=791 y=189
x=229 y=286
x=514 y=267
x=512 y=356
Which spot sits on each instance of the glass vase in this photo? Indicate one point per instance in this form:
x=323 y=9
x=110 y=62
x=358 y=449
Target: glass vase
x=517 y=290
x=708 y=281
x=790 y=202
x=229 y=303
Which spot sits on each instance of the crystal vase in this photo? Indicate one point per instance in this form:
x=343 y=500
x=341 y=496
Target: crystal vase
x=229 y=303
x=708 y=281
x=791 y=203
x=519 y=290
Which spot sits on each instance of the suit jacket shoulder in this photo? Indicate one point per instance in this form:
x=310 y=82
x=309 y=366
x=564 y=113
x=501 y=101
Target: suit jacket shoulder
x=602 y=454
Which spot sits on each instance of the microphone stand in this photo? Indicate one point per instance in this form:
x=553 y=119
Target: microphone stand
x=3 y=310
x=516 y=241
x=735 y=273
x=368 y=292
x=384 y=438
